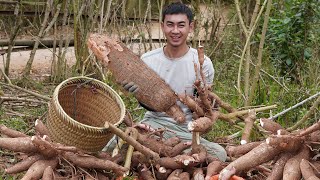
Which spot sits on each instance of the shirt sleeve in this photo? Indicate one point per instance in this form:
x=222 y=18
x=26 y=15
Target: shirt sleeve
x=208 y=70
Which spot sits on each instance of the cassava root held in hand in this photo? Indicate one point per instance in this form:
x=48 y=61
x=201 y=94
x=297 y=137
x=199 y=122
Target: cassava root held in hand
x=127 y=67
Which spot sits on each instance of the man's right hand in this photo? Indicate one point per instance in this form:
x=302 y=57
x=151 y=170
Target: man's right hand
x=130 y=86
x=133 y=88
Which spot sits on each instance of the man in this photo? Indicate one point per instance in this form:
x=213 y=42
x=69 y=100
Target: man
x=174 y=63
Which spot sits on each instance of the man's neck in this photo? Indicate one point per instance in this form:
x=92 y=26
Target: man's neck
x=175 y=52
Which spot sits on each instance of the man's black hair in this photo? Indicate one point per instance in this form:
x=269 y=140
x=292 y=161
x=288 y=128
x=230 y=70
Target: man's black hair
x=177 y=8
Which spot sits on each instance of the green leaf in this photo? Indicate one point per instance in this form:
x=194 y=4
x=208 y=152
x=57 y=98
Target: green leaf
x=282 y=56
x=307 y=53
x=286 y=20
x=288 y=62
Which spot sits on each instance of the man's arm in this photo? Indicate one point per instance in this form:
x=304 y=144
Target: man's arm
x=208 y=71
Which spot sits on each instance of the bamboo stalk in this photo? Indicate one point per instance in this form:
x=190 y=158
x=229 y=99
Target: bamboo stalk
x=107 y=14
x=295 y=106
x=243 y=112
x=144 y=150
x=259 y=58
x=27 y=91
x=45 y=27
x=127 y=164
x=306 y=116
x=247 y=44
x=5 y=76
x=13 y=35
x=3 y=98
x=244 y=28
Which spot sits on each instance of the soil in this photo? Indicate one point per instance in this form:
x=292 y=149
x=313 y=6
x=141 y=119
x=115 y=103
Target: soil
x=41 y=64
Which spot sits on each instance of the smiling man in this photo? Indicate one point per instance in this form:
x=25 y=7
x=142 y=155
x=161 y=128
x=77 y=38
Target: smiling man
x=174 y=63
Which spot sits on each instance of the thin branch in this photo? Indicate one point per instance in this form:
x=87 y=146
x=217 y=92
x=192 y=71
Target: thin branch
x=244 y=28
x=4 y=98
x=27 y=91
x=259 y=58
x=5 y=76
x=246 y=45
x=306 y=116
x=295 y=106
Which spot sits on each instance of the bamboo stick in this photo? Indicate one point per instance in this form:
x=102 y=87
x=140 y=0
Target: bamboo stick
x=27 y=91
x=144 y=150
x=259 y=58
x=243 y=112
x=295 y=106
x=311 y=111
x=247 y=44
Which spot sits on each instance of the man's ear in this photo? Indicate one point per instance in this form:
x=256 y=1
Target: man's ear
x=192 y=24
x=162 y=25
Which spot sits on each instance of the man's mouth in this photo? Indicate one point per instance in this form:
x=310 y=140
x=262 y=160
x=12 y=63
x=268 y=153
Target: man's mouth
x=175 y=38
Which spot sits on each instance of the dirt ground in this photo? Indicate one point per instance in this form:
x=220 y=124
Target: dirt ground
x=41 y=64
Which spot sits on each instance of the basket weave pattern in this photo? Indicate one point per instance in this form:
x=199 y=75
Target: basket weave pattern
x=78 y=110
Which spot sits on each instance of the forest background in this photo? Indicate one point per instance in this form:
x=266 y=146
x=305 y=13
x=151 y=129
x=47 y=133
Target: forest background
x=264 y=52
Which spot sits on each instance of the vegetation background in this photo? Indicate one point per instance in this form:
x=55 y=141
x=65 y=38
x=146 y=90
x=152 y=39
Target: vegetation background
x=264 y=52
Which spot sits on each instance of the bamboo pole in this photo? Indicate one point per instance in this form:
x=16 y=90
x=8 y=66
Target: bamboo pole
x=248 y=58
x=244 y=28
x=247 y=44
x=306 y=116
x=14 y=32
x=127 y=163
x=259 y=58
x=243 y=112
x=107 y=14
x=295 y=106
x=144 y=150
x=5 y=77
x=27 y=91
x=45 y=27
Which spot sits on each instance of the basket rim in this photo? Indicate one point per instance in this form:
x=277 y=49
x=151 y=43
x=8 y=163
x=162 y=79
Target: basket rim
x=58 y=107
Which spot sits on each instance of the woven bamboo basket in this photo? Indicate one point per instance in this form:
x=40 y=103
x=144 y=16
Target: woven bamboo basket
x=78 y=110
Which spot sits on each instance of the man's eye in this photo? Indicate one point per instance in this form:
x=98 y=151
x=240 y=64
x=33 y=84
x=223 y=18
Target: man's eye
x=181 y=25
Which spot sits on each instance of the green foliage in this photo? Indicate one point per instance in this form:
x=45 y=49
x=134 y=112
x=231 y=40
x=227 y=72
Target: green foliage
x=14 y=123
x=290 y=37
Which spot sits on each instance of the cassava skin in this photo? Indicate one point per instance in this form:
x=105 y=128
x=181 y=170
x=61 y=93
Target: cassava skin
x=213 y=168
x=184 y=176
x=127 y=67
x=235 y=151
x=19 y=144
x=41 y=129
x=11 y=132
x=48 y=174
x=285 y=142
x=36 y=169
x=270 y=125
x=93 y=162
x=256 y=156
x=23 y=165
x=277 y=170
x=307 y=170
x=292 y=167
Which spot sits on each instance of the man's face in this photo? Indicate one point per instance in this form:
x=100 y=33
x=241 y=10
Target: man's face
x=176 y=28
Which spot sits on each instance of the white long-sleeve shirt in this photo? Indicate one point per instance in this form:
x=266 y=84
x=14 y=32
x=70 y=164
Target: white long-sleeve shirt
x=179 y=74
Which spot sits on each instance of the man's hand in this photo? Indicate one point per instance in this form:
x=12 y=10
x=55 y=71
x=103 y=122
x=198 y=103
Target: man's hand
x=130 y=86
x=133 y=88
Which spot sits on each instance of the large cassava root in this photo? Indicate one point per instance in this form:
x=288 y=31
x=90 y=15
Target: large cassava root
x=127 y=67
x=285 y=150
x=44 y=155
x=290 y=152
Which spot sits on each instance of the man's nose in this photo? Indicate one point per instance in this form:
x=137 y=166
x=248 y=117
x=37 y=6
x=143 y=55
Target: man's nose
x=175 y=29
